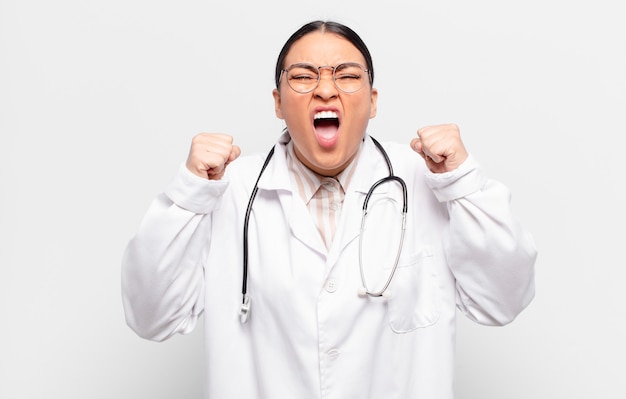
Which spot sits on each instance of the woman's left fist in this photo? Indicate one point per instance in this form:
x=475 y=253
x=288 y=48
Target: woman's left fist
x=441 y=147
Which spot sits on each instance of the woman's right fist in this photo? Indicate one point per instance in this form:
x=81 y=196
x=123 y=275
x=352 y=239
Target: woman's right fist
x=210 y=153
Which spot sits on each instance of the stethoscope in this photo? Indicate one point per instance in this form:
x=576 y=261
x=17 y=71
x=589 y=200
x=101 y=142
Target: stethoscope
x=364 y=290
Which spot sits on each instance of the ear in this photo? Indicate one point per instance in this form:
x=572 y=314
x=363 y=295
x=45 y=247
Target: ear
x=277 y=104
x=373 y=101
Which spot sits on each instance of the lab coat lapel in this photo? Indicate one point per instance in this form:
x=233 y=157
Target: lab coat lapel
x=302 y=226
x=296 y=213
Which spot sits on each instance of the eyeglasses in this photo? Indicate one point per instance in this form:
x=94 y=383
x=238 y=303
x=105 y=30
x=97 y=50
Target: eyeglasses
x=304 y=78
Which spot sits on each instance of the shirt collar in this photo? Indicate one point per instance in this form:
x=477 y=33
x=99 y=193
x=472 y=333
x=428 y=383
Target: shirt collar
x=307 y=182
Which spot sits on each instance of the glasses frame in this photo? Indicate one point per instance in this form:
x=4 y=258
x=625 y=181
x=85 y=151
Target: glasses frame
x=285 y=71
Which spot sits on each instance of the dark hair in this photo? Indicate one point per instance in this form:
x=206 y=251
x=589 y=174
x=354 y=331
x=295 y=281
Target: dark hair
x=325 y=26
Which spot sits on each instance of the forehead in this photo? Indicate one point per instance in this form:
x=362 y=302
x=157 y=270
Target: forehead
x=323 y=48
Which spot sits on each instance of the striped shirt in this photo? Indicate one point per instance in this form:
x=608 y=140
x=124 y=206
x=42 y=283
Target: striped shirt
x=323 y=195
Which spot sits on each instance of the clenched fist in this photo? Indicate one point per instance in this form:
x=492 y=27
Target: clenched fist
x=210 y=153
x=441 y=147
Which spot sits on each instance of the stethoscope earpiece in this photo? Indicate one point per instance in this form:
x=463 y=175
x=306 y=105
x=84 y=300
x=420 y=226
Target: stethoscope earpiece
x=244 y=312
x=362 y=292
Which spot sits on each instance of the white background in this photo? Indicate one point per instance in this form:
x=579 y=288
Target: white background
x=99 y=101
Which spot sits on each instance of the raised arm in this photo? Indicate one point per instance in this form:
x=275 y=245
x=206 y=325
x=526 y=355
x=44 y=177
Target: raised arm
x=489 y=252
x=162 y=266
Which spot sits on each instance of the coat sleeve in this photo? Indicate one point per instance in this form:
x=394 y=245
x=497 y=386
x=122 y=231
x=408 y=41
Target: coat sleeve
x=490 y=254
x=162 y=265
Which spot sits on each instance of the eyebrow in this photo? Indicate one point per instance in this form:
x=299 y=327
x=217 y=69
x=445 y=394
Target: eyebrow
x=308 y=65
x=305 y=65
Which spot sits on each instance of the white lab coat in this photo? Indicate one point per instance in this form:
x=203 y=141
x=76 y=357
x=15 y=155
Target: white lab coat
x=310 y=335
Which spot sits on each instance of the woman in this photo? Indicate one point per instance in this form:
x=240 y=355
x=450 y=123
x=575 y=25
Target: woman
x=329 y=308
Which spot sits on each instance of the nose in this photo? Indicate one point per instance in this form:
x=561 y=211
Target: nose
x=326 y=88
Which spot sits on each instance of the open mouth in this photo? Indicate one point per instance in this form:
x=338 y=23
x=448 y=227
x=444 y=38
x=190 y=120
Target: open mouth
x=326 y=125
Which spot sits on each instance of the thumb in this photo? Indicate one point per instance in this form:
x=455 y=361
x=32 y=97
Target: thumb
x=417 y=146
x=218 y=172
x=235 y=152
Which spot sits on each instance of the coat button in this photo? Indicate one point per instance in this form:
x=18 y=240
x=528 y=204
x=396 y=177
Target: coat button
x=331 y=285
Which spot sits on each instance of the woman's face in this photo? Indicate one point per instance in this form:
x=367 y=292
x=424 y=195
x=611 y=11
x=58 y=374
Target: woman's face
x=328 y=147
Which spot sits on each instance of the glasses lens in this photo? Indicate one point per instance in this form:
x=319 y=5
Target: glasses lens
x=302 y=77
x=349 y=77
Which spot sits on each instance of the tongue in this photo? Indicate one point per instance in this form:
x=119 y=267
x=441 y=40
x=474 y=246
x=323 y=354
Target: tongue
x=326 y=132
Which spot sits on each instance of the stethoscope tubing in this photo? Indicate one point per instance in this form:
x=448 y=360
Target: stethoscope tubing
x=246 y=221
x=383 y=290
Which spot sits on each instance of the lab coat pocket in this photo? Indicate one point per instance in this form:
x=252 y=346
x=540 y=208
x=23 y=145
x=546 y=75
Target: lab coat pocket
x=415 y=293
